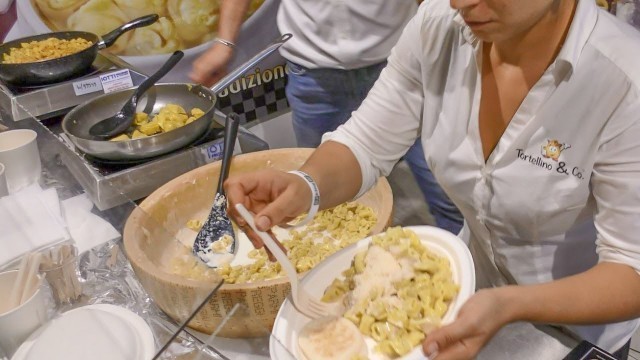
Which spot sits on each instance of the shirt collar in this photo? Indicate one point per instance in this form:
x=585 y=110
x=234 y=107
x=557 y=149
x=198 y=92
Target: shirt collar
x=467 y=34
x=583 y=23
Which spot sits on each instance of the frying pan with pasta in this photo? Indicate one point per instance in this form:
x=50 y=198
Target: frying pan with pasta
x=67 y=65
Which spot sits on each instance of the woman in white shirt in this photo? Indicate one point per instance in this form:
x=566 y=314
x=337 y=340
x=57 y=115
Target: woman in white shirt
x=529 y=116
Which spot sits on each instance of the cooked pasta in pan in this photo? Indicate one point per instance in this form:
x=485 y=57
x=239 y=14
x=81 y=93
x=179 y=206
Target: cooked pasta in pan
x=170 y=117
x=51 y=48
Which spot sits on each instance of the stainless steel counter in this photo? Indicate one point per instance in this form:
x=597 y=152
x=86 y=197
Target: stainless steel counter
x=517 y=341
x=524 y=341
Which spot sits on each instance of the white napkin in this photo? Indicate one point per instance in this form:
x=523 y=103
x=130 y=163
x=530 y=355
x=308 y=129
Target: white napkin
x=87 y=229
x=33 y=219
x=29 y=219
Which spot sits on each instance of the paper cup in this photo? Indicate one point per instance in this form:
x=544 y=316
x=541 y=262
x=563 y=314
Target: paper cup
x=18 y=323
x=4 y=190
x=21 y=159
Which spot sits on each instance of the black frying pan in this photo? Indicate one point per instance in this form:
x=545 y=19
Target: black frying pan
x=55 y=70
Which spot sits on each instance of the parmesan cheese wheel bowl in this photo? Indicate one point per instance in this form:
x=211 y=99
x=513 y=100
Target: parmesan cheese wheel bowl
x=150 y=240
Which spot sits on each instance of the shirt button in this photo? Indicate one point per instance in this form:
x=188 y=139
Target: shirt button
x=485 y=173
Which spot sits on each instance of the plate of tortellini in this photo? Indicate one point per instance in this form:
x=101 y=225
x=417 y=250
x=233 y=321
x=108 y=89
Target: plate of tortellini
x=387 y=292
x=188 y=25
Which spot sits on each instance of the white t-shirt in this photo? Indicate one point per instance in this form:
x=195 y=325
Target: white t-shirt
x=342 y=34
x=561 y=190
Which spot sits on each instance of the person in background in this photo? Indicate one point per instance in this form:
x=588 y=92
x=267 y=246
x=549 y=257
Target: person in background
x=336 y=54
x=7 y=19
x=529 y=115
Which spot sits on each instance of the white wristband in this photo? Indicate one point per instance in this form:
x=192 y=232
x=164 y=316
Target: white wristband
x=315 y=198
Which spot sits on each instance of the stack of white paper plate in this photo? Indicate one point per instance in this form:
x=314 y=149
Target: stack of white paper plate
x=97 y=332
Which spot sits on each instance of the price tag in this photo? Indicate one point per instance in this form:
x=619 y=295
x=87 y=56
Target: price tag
x=213 y=152
x=87 y=86
x=117 y=80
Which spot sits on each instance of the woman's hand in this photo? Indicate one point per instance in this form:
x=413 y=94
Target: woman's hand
x=478 y=320
x=212 y=65
x=273 y=196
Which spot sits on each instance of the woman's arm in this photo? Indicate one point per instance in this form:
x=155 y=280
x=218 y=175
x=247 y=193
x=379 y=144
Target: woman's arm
x=232 y=14
x=276 y=197
x=212 y=65
x=604 y=294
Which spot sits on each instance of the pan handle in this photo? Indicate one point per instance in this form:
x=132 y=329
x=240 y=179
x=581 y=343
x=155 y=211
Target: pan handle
x=111 y=37
x=235 y=74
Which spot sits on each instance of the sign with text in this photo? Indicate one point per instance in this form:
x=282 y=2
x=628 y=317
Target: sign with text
x=116 y=80
x=87 y=86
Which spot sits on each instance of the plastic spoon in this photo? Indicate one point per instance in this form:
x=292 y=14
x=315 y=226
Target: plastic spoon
x=207 y=245
x=122 y=120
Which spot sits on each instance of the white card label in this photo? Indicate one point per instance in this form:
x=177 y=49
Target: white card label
x=213 y=152
x=117 y=80
x=87 y=86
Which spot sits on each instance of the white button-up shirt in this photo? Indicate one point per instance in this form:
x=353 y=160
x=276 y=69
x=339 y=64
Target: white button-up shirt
x=561 y=190
x=342 y=34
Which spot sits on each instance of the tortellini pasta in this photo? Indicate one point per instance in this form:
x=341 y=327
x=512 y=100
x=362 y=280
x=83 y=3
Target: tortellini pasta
x=329 y=232
x=183 y=23
x=396 y=291
x=170 y=117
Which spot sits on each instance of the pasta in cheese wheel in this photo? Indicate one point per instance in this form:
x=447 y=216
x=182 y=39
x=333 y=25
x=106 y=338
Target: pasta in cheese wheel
x=194 y=18
x=138 y=8
x=58 y=11
x=100 y=17
x=158 y=38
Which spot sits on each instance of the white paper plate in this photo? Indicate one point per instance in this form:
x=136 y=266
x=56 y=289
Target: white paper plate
x=98 y=331
x=289 y=321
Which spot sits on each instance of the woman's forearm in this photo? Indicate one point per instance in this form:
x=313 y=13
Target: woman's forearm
x=336 y=171
x=606 y=293
x=232 y=13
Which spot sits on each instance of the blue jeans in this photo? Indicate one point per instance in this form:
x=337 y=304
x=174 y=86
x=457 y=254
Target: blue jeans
x=446 y=215
x=323 y=99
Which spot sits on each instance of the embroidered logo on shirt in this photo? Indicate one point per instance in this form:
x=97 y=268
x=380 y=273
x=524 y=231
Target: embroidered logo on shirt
x=553 y=149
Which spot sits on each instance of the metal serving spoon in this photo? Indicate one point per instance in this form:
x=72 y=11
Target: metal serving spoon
x=216 y=242
x=122 y=120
